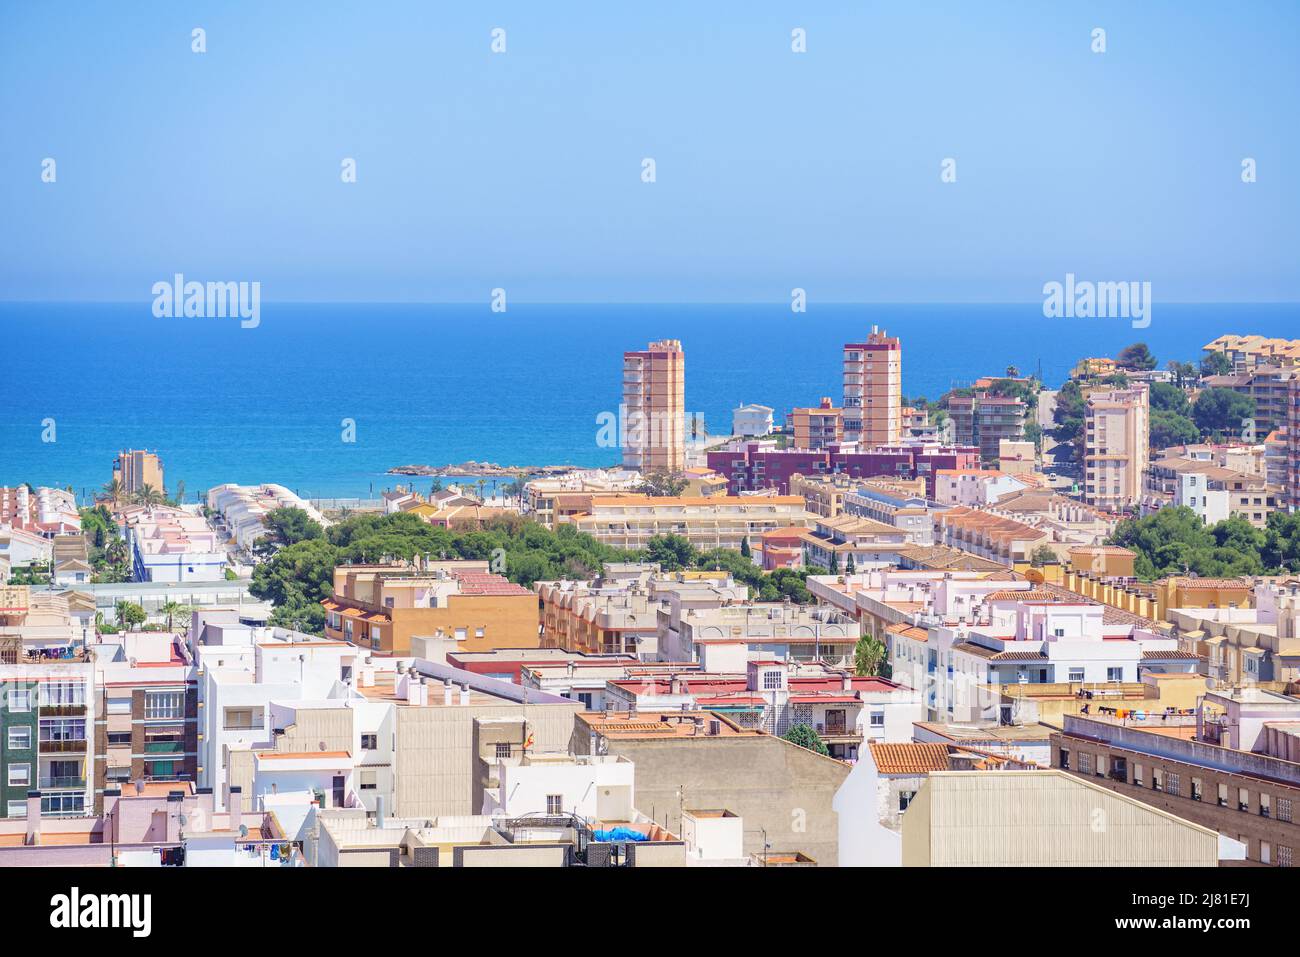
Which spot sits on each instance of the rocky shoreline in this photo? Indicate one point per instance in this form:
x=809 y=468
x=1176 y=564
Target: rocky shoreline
x=480 y=470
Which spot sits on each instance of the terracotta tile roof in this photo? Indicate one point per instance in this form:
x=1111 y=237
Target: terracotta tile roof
x=910 y=758
x=1170 y=656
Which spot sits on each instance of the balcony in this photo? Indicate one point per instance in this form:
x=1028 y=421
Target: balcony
x=55 y=781
x=63 y=746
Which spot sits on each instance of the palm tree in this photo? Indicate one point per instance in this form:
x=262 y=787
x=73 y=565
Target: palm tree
x=180 y=492
x=149 y=496
x=115 y=491
x=172 y=609
x=868 y=656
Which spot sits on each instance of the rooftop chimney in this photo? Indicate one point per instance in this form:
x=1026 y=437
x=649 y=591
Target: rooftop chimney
x=464 y=694
x=379 y=810
x=446 y=693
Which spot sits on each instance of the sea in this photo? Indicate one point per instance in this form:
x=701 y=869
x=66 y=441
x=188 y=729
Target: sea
x=324 y=399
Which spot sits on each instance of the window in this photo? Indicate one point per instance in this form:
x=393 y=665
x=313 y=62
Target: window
x=1076 y=674
x=1264 y=806
x=20 y=738
x=504 y=749
x=904 y=799
x=1283 y=856
x=554 y=804
x=1243 y=799
x=1196 y=789
x=877 y=719
x=164 y=704
x=771 y=681
x=1137 y=775
x=119 y=737
x=63 y=729
x=120 y=704
x=236 y=719
x=62 y=694
x=1157 y=780
x=1115 y=674
x=369 y=742
x=1085 y=762
x=20 y=700
x=20 y=775
x=19 y=809
x=1223 y=795
x=367 y=780
x=478 y=632
x=1172 y=784
x=1065 y=760
x=1265 y=852
x=1284 y=811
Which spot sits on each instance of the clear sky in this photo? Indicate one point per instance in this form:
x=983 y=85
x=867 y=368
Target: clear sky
x=774 y=169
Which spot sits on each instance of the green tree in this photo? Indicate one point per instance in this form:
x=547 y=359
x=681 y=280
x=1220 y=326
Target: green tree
x=1043 y=555
x=1216 y=363
x=1170 y=428
x=671 y=552
x=172 y=610
x=129 y=614
x=1184 y=372
x=744 y=548
x=1136 y=357
x=286 y=526
x=661 y=484
x=1222 y=411
x=148 y=495
x=869 y=656
x=806 y=737
x=115 y=492
x=1169 y=398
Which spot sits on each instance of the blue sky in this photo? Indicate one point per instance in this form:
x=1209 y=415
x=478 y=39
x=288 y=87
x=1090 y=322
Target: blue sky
x=774 y=170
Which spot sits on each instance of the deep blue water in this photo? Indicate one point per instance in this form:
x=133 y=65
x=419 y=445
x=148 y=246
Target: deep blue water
x=440 y=384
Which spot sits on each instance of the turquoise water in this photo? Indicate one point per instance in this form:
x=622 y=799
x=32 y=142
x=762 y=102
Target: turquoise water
x=443 y=384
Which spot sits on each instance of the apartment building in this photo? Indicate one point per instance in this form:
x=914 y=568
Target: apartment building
x=136 y=468
x=1018 y=637
x=146 y=725
x=873 y=390
x=822 y=494
x=617 y=613
x=1116 y=447
x=238 y=510
x=850 y=542
x=1248 y=352
x=1244 y=646
x=986 y=420
x=845 y=710
x=755 y=466
x=977 y=487
x=817 y=427
x=902 y=504
x=1232 y=766
x=1293 y=446
x=702 y=759
x=48 y=750
x=752 y=419
x=723 y=639
x=1213 y=492
x=654 y=407
x=382 y=607
x=714 y=521
x=1268 y=386
x=986 y=534
x=169 y=544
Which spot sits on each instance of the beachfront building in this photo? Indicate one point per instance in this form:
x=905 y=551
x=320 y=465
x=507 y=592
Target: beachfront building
x=715 y=521
x=1116 y=447
x=238 y=510
x=817 y=427
x=1292 y=471
x=458 y=603
x=752 y=420
x=873 y=390
x=136 y=468
x=553 y=498
x=654 y=407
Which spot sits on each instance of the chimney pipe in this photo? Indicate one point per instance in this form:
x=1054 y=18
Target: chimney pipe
x=379 y=810
x=464 y=694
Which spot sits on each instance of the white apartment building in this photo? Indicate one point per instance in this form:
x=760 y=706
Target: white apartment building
x=1116 y=447
x=752 y=420
x=239 y=509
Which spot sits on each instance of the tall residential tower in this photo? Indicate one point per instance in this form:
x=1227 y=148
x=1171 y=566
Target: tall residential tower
x=654 y=407
x=873 y=390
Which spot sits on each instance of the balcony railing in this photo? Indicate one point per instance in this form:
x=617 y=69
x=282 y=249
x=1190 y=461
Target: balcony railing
x=63 y=781
x=63 y=746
